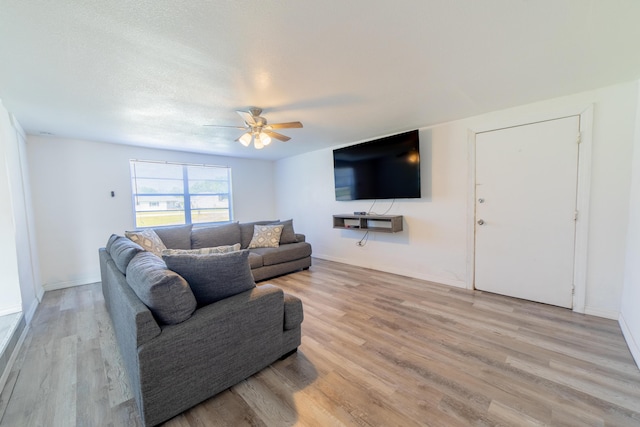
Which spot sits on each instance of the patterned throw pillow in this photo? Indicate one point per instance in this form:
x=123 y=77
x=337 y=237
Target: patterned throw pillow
x=148 y=239
x=266 y=236
x=203 y=251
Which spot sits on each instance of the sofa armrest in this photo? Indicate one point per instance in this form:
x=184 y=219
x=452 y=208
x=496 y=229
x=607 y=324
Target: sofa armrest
x=133 y=322
x=293 y=314
x=301 y=237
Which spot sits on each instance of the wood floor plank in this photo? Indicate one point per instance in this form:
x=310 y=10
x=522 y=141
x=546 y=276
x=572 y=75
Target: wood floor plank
x=377 y=350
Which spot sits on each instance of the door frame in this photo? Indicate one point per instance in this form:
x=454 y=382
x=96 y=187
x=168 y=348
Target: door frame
x=585 y=113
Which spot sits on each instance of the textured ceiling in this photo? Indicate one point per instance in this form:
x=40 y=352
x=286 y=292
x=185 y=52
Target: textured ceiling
x=152 y=73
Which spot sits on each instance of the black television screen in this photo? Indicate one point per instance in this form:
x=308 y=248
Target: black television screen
x=385 y=168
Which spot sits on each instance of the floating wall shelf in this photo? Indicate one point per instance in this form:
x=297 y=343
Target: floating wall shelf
x=378 y=223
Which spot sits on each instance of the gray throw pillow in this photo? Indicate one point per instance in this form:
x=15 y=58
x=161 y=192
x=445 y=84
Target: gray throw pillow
x=175 y=237
x=122 y=250
x=111 y=241
x=167 y=295
x=213 y=277
x=288 y=234
x=220 y=235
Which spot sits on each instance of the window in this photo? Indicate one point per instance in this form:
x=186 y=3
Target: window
x=173 y=193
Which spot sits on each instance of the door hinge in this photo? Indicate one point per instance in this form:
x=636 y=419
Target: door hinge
x=579 y=139
x=573 y=289
x=575 y=215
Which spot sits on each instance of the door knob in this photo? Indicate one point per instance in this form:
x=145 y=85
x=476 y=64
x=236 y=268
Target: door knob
x=480 y=221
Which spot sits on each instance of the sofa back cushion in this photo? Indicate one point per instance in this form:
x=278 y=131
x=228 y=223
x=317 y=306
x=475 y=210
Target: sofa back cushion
x=175 y=237
x=220 y=235
x=288 y=233
x=246 y=231
x=165 y=292
x=213 y=277
x=122 y=251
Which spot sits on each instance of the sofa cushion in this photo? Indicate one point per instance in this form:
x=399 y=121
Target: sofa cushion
x=203 y=251
x=284 y=253
x=175 y=237
x=255 y=260
x=111 y=241
x=266 y=236
x=288 y=234
x=167 y=295
x=148 y=239
x=213 y=277
x=246 y=231
x=122 y=250
x=220 y=235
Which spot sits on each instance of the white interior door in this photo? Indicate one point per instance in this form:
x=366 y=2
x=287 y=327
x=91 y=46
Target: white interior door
x=526 y=180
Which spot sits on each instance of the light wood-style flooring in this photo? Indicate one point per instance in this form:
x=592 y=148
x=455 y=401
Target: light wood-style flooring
x=377 y=350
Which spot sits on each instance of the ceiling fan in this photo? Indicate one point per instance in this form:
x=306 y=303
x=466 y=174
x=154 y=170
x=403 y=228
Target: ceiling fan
x=257 y=129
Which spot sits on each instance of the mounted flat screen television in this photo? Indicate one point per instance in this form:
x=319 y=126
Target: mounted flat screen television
x=385 y=168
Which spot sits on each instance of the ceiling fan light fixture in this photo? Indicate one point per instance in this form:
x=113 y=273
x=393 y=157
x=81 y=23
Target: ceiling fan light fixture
x=258 y=144
x=264 y=138
x=245 y=139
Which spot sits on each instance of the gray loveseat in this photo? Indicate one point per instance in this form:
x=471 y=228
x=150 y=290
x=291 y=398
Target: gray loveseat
x=178 y=351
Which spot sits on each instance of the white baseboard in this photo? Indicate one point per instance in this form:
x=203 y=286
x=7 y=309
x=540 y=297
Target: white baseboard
x=10 y=310
x=28 y=314
x=632 y=343
x=398 y=271
x=40 y=293
x=607 y=314
x=69 y=284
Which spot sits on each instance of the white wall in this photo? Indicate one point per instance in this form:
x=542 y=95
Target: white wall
x=629 y=312
x=11 y=301
x=17 y=243
x=75 y=214
x=434 y=243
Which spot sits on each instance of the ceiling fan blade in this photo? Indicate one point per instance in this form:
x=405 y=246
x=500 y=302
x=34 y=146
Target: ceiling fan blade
x=247 y=117
x=285 y=125
x=276 y=135
x=228 y=127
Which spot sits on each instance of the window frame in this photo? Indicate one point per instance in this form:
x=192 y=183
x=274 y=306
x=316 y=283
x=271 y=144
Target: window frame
x=186 y=194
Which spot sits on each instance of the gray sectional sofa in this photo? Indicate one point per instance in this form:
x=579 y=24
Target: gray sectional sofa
x=179 y=346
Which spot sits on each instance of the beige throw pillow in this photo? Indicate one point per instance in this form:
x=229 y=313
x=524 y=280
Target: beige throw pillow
x=203 y=251
x=266 y=236
x=148 y=239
